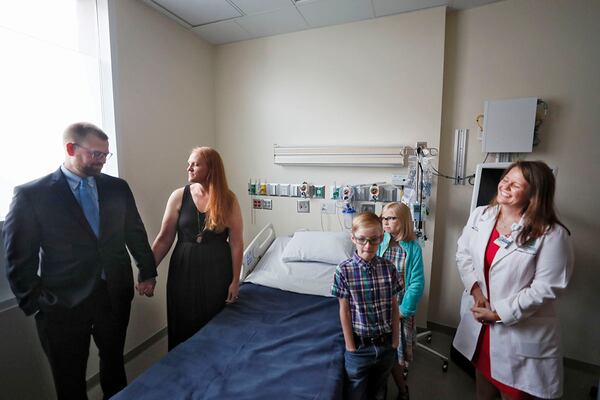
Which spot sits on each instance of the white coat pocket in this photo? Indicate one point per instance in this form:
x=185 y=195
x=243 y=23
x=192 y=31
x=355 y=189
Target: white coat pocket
x=536 y=337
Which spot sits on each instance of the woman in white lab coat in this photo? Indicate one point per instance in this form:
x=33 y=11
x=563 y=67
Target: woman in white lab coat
x=514 y=258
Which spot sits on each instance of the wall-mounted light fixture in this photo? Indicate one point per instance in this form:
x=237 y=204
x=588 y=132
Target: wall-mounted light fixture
x=354 y=156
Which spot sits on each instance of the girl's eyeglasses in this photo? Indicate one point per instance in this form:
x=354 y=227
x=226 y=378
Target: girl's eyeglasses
x=389 y=218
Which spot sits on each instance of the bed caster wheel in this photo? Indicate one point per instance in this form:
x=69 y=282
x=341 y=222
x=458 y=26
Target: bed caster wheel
x=428 y=339
x=445 y=366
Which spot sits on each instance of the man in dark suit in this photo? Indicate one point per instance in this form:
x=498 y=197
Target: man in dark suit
x=66 y=238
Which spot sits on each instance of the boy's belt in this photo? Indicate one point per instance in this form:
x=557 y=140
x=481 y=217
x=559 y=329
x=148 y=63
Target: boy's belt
x=386 y=338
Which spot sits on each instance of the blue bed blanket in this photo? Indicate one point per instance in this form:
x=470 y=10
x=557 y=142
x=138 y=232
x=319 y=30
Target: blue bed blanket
x=271 y=344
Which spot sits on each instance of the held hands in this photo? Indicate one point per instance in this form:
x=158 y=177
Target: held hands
x=485 y=315
x=482 y=311
x=232 y=295
x=146 y=288
x=479 y=298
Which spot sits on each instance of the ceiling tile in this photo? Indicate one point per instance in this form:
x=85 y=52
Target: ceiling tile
x=233 y=20
x=388 y=7
x=199 y=12
x=222 y=32
x=332 y=12
x=260 y=6
x=273 y=23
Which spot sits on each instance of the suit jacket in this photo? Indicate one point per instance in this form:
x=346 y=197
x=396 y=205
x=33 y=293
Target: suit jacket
x=46 y=229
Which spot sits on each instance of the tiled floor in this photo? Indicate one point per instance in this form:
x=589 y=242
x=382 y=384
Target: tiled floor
x=426 y=380
x=137 y=365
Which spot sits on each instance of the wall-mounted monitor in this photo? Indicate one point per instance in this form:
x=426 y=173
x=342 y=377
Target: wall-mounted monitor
x=508 y=125
x=487 y=177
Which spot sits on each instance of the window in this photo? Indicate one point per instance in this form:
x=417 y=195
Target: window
x=55 y=70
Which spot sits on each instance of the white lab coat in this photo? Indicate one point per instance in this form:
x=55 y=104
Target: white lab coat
x=525 y=347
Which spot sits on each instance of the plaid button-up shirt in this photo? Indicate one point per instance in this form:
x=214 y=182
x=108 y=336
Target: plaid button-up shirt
x=369 y=288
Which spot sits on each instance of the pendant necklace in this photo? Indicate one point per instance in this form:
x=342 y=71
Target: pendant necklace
x=200 y=232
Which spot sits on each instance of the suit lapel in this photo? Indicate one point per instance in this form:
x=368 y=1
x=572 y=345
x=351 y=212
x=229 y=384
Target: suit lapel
x=63 y=191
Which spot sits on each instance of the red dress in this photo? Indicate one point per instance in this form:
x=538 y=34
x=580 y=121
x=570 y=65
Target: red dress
x=481 y=359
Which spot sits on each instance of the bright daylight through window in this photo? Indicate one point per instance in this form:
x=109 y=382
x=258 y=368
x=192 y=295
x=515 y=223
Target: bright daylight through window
x=55 y=70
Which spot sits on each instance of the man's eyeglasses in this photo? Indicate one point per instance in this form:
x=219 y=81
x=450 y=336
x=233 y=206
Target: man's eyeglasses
x=363 y=240
x=389 y=218
x=96 y=155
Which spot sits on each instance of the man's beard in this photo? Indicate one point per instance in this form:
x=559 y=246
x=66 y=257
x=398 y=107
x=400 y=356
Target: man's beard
x=93 y=170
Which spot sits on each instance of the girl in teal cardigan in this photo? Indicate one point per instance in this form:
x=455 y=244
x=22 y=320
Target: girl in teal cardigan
x=400 y=246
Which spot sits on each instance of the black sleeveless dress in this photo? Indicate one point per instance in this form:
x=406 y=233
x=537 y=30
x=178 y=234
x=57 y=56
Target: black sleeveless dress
x=199 y=274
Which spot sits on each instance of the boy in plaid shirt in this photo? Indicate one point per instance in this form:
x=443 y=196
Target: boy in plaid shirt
x=367 y=287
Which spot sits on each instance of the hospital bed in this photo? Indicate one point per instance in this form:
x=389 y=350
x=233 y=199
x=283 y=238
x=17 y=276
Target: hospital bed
x=272 y=343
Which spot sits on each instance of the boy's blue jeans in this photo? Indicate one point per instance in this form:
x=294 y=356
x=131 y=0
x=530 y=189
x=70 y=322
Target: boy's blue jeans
x=368 y=369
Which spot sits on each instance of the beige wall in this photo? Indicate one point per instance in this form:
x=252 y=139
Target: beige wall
x=163 y=88
x=370 y=82
x=520 y=48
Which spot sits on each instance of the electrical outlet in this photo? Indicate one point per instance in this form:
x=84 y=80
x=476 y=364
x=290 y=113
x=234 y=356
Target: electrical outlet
x=328 y=207
x=256 y=203
x=267 y=204
x=303 y=206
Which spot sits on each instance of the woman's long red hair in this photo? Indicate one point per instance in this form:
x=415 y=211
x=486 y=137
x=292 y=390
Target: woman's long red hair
x=220 y=198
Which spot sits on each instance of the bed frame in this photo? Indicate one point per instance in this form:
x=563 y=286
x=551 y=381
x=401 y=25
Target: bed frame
x=256 y=249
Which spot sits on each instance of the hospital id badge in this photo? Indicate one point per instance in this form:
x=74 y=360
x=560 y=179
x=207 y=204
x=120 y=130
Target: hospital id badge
x=503 y=241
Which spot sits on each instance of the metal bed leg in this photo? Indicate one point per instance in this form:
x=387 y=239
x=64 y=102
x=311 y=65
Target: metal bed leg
x=427 y=335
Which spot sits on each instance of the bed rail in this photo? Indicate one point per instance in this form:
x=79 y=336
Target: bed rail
x=256 y=249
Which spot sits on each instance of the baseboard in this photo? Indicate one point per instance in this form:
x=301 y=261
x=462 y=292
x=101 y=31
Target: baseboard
x=568 y=362
x=8 y=304
x=434 y=326
x=131 y=354
x=582 y=366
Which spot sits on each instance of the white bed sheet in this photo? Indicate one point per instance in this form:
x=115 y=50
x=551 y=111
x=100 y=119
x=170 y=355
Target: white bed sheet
x=300 y=277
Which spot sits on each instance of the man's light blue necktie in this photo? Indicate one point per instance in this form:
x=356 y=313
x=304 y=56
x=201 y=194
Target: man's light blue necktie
x=89 y=205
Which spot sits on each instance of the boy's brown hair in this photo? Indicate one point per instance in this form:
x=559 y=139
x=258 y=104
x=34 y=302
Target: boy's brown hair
x=366 y=219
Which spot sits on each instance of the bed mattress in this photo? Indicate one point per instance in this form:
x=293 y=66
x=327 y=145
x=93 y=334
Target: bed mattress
x=270 y=344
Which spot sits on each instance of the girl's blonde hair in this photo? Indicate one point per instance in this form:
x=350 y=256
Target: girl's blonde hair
x=402 y=212
x=220 y=198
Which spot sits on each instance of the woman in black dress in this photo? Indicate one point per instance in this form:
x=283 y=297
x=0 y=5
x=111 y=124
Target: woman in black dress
x=205 y=265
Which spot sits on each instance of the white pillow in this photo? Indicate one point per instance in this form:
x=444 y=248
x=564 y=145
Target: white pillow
x=299 y=277
x=315 y=246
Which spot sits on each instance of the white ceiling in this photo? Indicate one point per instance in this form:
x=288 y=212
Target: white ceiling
x=226 y=21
